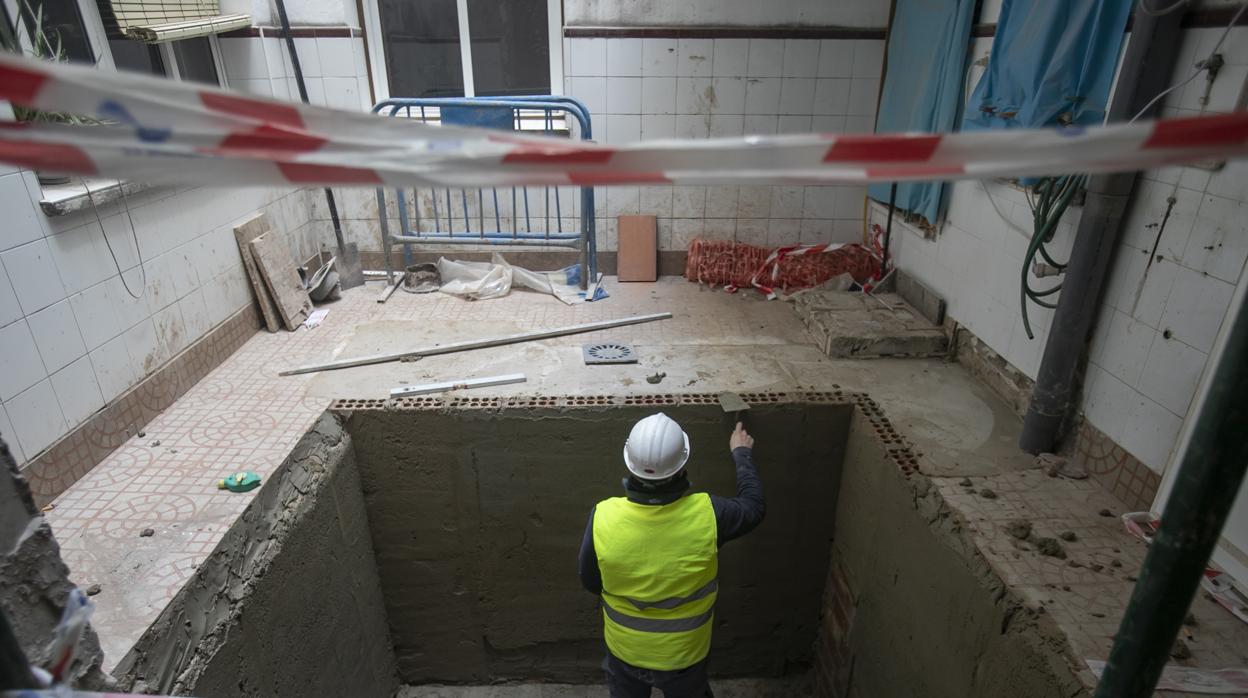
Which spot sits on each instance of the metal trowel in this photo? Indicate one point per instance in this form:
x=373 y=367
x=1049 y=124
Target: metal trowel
x=733 y=404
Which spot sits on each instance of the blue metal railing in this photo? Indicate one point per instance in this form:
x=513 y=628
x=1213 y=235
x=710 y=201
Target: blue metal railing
x=442 y=218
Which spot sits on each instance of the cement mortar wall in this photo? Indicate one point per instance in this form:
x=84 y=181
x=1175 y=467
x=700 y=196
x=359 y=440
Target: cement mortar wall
x=920 y=612
x=477 y=517
x=289 y=603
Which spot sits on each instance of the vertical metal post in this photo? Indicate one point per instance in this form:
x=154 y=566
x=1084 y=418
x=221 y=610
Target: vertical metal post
x=1211 y=470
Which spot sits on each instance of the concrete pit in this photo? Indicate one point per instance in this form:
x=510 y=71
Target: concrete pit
x=428 y=541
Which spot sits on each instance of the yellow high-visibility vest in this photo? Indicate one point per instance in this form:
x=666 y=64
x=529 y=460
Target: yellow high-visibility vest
x=659 y=569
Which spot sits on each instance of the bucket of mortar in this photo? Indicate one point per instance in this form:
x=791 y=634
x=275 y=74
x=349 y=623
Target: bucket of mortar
x=422 y=278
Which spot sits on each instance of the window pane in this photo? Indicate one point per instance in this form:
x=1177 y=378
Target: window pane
x=195 y=60
x=421 y=39
x=510 y=47
x=63 y=21
x=137 y=56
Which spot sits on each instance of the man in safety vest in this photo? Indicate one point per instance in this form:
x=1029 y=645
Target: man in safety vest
x=653 y=556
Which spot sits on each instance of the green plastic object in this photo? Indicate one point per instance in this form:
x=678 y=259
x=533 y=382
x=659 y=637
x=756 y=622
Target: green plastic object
x=240 y=482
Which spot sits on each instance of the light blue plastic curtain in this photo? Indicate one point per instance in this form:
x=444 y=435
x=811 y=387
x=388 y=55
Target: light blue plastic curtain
x=1052 y=63
x=927 y=48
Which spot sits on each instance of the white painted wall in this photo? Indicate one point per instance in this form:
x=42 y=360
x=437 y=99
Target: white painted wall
x=750 y=13
x=642 y=89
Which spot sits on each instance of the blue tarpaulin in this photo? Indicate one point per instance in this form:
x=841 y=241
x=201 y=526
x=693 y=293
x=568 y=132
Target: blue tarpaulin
x=927 y=49
x=1052 y=63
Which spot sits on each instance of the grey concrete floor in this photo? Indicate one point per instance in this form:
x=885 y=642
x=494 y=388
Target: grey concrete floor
x=729 y=688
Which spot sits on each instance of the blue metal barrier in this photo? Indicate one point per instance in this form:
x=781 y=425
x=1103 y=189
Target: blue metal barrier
x=438 y=225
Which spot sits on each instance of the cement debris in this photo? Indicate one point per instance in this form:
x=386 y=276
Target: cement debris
x=1051 y=548
x=1180 y=650
x=966 y=482
x=987 y=493
x=1105 y=512
x=656 y=378
x=1115 y=563
x=1068 y=536
x=93 y=590
x=147 y=533
x=1019 y=529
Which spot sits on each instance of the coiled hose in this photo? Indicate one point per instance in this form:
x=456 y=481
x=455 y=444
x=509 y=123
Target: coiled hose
x=1053 y=196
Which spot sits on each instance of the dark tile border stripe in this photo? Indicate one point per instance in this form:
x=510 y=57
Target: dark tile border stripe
x=74 y=455
x=725 y=32
x=297 y=32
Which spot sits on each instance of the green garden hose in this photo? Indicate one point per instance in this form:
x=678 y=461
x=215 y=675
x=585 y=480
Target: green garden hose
x=1054 y=196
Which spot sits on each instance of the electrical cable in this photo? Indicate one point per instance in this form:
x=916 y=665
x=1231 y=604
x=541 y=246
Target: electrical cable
x=121 y=188
x=1054 y=195
x=1200 y=67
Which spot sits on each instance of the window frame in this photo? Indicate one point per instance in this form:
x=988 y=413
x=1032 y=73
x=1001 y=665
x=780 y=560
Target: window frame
x=377 y=55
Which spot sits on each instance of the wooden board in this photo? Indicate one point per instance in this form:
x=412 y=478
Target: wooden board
x=282 y=279
x=638 y=258
x=244 y=233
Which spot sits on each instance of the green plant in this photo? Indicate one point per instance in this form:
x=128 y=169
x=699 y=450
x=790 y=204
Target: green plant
x=47 y=47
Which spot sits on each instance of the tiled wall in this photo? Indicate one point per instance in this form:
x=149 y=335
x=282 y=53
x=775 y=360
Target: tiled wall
x=1158 y=320
x=334 y=70
x=72 y=337
x=701 y=88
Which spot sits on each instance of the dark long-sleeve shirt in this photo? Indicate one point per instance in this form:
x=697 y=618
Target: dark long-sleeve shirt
x=734 y=516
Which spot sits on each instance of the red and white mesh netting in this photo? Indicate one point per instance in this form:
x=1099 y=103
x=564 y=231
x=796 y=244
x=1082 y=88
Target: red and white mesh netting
x=790 y=268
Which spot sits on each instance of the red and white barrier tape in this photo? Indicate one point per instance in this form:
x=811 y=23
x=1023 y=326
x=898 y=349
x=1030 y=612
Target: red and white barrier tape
x=773 y=261
x=175 y=132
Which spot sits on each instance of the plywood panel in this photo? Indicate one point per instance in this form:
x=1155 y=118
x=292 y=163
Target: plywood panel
x=244 y=233
x=638 y=242
x=282 y=279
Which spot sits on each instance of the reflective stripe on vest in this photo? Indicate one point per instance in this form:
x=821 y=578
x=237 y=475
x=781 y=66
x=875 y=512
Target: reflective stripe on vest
x=675 y=601
x=659 y=566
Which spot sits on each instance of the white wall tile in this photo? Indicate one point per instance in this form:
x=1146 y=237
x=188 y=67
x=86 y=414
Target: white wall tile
x=586 y=57
x=1171 y=374
x=658 y=57
x=692 y=126
x=784 y=231
x=688 y=201
x=144 y=347
x=815 y=231
x=36 y=417
x=818 y=202
x=10 y=438
x=656 y=126
x=96 y=314
x=760 y=124
x=836 y=59
x=343 y=93
x=855 y=123
x=624 y=57
x=21 y=222
x=787 y=202
x=731 y=57
x=1106 y=401
x=1149 y=433
x=244 y=59
x=694 y=57
x=721 y=201
x=863 y=95
x=623 y=128
x=694 y=96
x=114 y=370
x=10 y=310
x=793 y=123
x=831 y=96
x=656 y=201
x=623 y=95
x=1195 y=308
x=77 y=391
x=1122 y=347
x=261 y=88
x=170 y=331
x=1218 y=244
x=275 y=58
x=20 y=363
x=801 y=58
x=868 y=58
x=727 y=125
x=33 y=275
x=752 y=231
x=754 y=201
x=729 y=95
x=684 y=231
x=309 y=57
x=56 y=334
x=827 y=124
x=762 y=95
x=1148 y=300
x=623 y=201
x=796 y=95
x=81 y=257
x=658 y=95
x=591 y=91
x=766 y=58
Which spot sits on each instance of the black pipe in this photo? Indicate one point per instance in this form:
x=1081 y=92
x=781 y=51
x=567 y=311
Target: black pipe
x=888 y=225
x=1146 y=70
x=303 y=96
x=1211 y=471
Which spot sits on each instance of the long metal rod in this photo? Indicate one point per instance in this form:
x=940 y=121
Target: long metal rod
x=446 y=386
x=1211 y=471
x=478 y=344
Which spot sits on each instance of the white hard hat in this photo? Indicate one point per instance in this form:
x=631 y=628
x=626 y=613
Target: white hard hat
x=657 y=448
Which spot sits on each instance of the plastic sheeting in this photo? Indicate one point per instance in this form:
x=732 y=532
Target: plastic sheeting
x=1052 y=62
x=495 y=279
x=933 y=34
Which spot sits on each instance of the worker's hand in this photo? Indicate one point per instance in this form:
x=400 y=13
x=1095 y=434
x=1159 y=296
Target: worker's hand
x=740 y=438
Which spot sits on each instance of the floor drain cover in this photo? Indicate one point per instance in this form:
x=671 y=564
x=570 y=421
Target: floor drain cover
x=609 y=353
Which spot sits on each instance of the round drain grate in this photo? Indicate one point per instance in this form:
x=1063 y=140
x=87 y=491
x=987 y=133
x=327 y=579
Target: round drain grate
x=609 y=353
